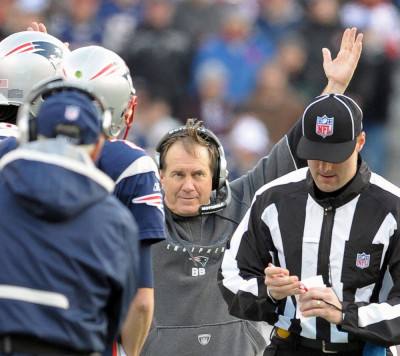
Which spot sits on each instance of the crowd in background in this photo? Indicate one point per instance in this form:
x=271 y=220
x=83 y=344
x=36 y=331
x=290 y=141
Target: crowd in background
x=245 y=67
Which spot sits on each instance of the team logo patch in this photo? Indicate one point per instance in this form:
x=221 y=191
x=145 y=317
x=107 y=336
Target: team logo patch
x=204 y=339
x=151 y=200
x=324 y=126
x=202 y=260
x=362 y=260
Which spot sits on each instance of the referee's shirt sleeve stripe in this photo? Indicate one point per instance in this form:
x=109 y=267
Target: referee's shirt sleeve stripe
x=229 y=268
x=375 y=313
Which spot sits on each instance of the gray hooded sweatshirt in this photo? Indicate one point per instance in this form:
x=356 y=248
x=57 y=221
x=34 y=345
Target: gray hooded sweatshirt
x=191 y=318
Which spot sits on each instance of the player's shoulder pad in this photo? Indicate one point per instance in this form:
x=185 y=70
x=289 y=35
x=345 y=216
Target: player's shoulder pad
x=141 y=165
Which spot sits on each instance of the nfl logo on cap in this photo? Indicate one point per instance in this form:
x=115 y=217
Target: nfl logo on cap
x=331 y=124
x=71 y=112
x=324 y=126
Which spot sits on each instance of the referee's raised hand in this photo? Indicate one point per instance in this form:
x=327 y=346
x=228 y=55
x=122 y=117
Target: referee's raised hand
x=340 y=69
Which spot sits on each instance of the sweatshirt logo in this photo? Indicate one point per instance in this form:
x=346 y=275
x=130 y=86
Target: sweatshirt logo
x=202 y=260
x=204 y=339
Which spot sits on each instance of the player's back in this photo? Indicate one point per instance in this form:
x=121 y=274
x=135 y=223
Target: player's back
x=68 y=250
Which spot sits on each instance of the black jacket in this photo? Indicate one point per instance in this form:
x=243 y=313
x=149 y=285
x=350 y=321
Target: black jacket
x=351 y=240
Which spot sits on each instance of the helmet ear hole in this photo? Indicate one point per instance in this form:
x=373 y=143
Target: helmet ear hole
x=8 y=113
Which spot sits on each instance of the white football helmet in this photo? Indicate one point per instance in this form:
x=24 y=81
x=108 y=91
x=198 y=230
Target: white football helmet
x=107 y=76
x=27 y=58
x=40 y=93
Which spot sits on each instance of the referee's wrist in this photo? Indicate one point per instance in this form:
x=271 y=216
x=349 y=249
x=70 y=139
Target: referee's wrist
x=271 y=297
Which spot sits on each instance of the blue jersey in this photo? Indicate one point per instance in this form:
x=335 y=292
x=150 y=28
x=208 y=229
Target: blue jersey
x=138 y=188
x=7 y=144
x=8 y=137
x=137 y=185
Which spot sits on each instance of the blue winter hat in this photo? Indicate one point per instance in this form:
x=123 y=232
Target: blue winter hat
x=70 y=114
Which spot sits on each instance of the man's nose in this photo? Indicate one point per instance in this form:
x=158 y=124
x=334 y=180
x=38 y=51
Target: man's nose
x=325 y=166
x=188 y=184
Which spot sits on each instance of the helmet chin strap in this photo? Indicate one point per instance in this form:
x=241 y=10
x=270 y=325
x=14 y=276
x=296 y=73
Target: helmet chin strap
x=129 y=115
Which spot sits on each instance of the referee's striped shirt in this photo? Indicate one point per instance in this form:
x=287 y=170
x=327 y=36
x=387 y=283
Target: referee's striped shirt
x=352 y=240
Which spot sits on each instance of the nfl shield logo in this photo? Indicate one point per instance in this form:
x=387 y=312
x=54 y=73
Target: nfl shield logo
x=72 y=112
x=362 y=260
x=324 y=126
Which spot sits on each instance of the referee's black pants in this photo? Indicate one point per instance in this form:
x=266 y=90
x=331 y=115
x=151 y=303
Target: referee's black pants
x=279 y=347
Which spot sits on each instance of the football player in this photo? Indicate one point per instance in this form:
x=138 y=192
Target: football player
x=134 y=172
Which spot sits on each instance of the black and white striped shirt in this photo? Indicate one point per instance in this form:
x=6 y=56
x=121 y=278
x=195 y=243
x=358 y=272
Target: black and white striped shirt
x=352 y=240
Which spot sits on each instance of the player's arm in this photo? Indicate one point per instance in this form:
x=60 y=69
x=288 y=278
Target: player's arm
x=138 y=321
x=140 y=192
x=140 y=315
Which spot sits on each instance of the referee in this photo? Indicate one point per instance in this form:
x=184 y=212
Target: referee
x=334 y=219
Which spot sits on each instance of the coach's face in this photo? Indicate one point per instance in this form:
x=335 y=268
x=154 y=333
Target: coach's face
x=330 y=177
x=186 y=179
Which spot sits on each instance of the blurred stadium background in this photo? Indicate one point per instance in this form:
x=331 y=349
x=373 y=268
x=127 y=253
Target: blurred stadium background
x=245 y=67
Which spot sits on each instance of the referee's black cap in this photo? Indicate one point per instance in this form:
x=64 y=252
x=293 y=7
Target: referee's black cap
x=330 y=126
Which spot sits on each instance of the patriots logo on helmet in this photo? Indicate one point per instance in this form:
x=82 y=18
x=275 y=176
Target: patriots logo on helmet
x=151 y=200
x=199 y=259
x=42 y=48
